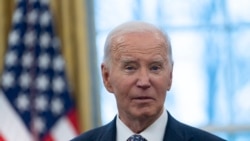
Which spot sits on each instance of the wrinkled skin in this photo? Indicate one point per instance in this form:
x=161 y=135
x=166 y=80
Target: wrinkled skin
x=139 y=76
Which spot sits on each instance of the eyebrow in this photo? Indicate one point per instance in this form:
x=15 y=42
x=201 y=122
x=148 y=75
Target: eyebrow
x=158 y=61
x=127 y=59
x=124 y=62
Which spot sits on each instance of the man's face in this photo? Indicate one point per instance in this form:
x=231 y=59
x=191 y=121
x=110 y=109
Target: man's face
x=139 y=75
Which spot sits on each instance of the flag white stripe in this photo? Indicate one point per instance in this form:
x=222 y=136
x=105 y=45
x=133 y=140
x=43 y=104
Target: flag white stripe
x=11 y=126
x=63 y=130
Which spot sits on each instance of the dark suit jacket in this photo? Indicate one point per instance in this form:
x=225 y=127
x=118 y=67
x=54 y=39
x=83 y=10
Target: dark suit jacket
x=175 y=131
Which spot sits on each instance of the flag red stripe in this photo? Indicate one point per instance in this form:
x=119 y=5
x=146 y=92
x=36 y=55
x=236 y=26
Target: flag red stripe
x=48 y=137
x=72 y=116
x=1 y=138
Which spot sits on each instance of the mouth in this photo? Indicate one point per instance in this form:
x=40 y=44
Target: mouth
x=142 y=99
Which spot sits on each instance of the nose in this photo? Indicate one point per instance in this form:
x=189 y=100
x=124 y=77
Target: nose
x=143 y=80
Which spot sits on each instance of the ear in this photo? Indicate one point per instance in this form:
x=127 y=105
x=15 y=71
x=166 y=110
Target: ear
x=170 y=79
x=106 y=78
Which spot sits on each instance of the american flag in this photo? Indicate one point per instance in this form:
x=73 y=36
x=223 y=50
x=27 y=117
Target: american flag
x=35 y=100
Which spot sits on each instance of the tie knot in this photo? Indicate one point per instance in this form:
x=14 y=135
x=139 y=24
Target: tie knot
x=136 y=138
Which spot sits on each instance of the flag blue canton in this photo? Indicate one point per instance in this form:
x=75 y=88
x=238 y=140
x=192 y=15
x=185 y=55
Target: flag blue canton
x=34 y=80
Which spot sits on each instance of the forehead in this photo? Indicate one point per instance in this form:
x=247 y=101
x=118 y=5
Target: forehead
x=139 y=36
x=139 y=43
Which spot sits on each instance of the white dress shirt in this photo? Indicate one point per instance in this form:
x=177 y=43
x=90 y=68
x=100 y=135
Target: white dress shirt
x=155 y=132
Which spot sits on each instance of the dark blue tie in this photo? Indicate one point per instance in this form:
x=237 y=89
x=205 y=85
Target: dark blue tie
x=136 y=138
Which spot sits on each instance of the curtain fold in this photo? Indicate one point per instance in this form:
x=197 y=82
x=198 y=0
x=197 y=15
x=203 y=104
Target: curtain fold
x=70 y=21
x=6 y=8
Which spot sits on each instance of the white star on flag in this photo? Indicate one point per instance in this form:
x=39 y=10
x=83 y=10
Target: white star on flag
x=27 y=60
x=25 y=80
x=45 y=18
x=41 y=103
x=43 y=61
x=32 y=17
x=29 y=38
x=42 y=82
x=58 y=63
x=11 y=58
x=57 y=106
x=22 y=102
x=18 y=15
x=58 y=85
x=45 y=40
x=14 y=37
x=39 y=124
x=8 y=79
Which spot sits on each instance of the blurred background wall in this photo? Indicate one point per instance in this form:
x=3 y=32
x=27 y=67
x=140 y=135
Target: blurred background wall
x=211 y=51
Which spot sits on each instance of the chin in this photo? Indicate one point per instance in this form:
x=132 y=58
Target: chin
x=144 y=113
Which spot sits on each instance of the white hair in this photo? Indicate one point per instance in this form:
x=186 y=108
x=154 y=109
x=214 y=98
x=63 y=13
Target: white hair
x=131 y=27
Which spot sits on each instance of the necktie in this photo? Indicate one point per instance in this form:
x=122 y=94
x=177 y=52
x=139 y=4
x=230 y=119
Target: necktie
x=136 y=138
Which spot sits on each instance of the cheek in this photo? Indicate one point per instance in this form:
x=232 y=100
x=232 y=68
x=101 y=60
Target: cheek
x=161 y=88
x=163 y=83
x=167 y=79
x=121 y=85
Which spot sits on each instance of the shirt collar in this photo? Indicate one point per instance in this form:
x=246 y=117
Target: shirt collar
x=155 y=132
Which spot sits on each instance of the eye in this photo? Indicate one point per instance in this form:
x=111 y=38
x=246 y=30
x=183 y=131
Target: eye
x=155 y=68
x=129 y=68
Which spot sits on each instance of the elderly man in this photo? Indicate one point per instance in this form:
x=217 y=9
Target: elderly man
x=137 y=68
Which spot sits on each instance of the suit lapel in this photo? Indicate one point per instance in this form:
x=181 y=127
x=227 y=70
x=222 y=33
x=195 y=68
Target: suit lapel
x=170 y=131
x=109 y=132
x=174 y=130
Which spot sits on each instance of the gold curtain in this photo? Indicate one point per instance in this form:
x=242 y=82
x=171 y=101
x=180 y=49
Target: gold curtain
x=70 y=18
x=6 y=8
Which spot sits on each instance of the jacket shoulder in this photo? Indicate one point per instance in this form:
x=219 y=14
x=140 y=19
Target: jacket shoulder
x=90 y=135
x=101 y=133
x=181 y=131
x=201 y=135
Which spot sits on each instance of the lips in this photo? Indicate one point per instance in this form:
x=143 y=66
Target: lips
x=143 y=98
